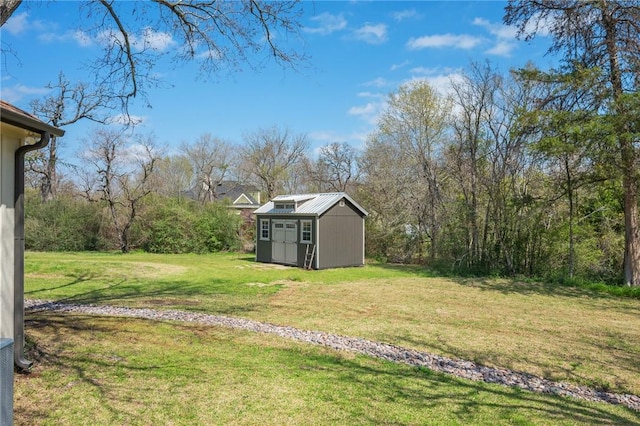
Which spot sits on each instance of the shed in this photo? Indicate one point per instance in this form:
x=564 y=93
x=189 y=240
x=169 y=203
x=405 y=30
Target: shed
x=318 y=231
x=20 y=132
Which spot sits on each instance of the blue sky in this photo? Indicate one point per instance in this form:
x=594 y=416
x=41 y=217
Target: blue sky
x=359 y=52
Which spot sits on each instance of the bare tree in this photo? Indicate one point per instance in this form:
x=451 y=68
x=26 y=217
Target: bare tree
x=212 y=160
x=600 y=34
x=416 y=120
x=173 y=176
x=216 y=34
x=475 y=103
x=68 y=104
x=335 y=169
x=119 y=174
x=270 y=156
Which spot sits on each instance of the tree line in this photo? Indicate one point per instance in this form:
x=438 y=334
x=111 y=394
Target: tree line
x=503 y=174
x=530 y=172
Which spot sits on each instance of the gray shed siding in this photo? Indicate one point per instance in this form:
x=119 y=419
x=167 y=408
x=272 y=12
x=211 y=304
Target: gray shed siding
x=341 y=237
x=337 y=230
x=263 y=247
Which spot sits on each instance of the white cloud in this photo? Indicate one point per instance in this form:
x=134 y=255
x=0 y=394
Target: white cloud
x=148 y=39
x=13 y=94
x=17 y=24
x=327 y=24
x=502 y=48
x=439 y=78
x=83 y=39
x=80 y=37
x=372 y=34
x=321 y=138
x=369 y=112
x=154 y=40
x=406 y=14
x=370 y=95
x=398 y=66
x=456 y=41
x=541 y=27
x=505 y=36
x=324 y=136
x=497 y=29
x=127 y=120
x=425 y=71
x=378 y=82
x=367 y=109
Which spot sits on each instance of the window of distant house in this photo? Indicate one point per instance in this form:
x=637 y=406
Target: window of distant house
x=264 y=229
x=305 y=231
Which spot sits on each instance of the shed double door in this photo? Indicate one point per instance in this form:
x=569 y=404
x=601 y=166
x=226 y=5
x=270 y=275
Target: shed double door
x=285 y=242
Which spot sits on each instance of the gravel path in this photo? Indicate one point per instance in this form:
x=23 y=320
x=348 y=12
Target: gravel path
x=459 y=368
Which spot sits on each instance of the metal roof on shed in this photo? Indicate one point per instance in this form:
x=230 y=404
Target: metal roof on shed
x=308 y=204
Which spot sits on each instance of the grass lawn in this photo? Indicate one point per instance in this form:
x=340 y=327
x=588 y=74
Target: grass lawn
x=113 y=371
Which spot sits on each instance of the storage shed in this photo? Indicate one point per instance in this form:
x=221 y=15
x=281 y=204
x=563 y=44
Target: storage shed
x=316 y=231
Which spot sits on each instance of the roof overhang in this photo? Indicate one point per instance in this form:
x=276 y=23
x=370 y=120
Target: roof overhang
x=18 y=118
x=308 y=204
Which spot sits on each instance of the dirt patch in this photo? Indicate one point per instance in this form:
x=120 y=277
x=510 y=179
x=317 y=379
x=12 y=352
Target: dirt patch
x=154 y=270
x=172 y=302
x=257 y=284
x=258 y=265
x=286 y=283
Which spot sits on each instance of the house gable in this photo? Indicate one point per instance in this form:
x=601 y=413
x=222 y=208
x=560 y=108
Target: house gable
x=242 y=199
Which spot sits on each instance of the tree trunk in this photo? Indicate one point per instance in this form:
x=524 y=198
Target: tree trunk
x=627 y=152
x=631 y=227
x=567 y=169
x=49 y=184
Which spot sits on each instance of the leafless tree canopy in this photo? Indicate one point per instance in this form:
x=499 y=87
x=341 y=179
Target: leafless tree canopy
x=119 y=175
x=334 y=170
x=211 y=160
x=68 y=104
x=270 y=156
x=216 y=34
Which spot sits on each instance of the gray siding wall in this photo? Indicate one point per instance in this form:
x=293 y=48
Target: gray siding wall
x=302 y=247
x=341 y=241
x=263 y=248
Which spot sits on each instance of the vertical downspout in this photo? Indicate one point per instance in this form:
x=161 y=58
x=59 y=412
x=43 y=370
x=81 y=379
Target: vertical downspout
x=18 y=251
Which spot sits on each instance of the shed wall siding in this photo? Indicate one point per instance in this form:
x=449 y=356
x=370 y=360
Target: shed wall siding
x=341 y=237
x=263 y=247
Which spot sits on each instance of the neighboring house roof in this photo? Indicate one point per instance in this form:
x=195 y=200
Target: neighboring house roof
x=238 y=193
x=16 y=117
x=308 y=204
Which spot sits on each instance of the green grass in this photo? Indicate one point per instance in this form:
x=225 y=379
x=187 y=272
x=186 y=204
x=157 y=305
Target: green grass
x=558 y=332
x=106 y=371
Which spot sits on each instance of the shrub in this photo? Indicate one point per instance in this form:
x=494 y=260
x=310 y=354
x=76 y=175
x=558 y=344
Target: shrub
x=63 y=224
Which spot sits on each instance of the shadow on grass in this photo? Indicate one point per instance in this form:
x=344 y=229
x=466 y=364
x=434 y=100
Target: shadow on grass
x=77 y=280
x=167 y=294
x=506 y=285
x=469 y=402
x=366 y=390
